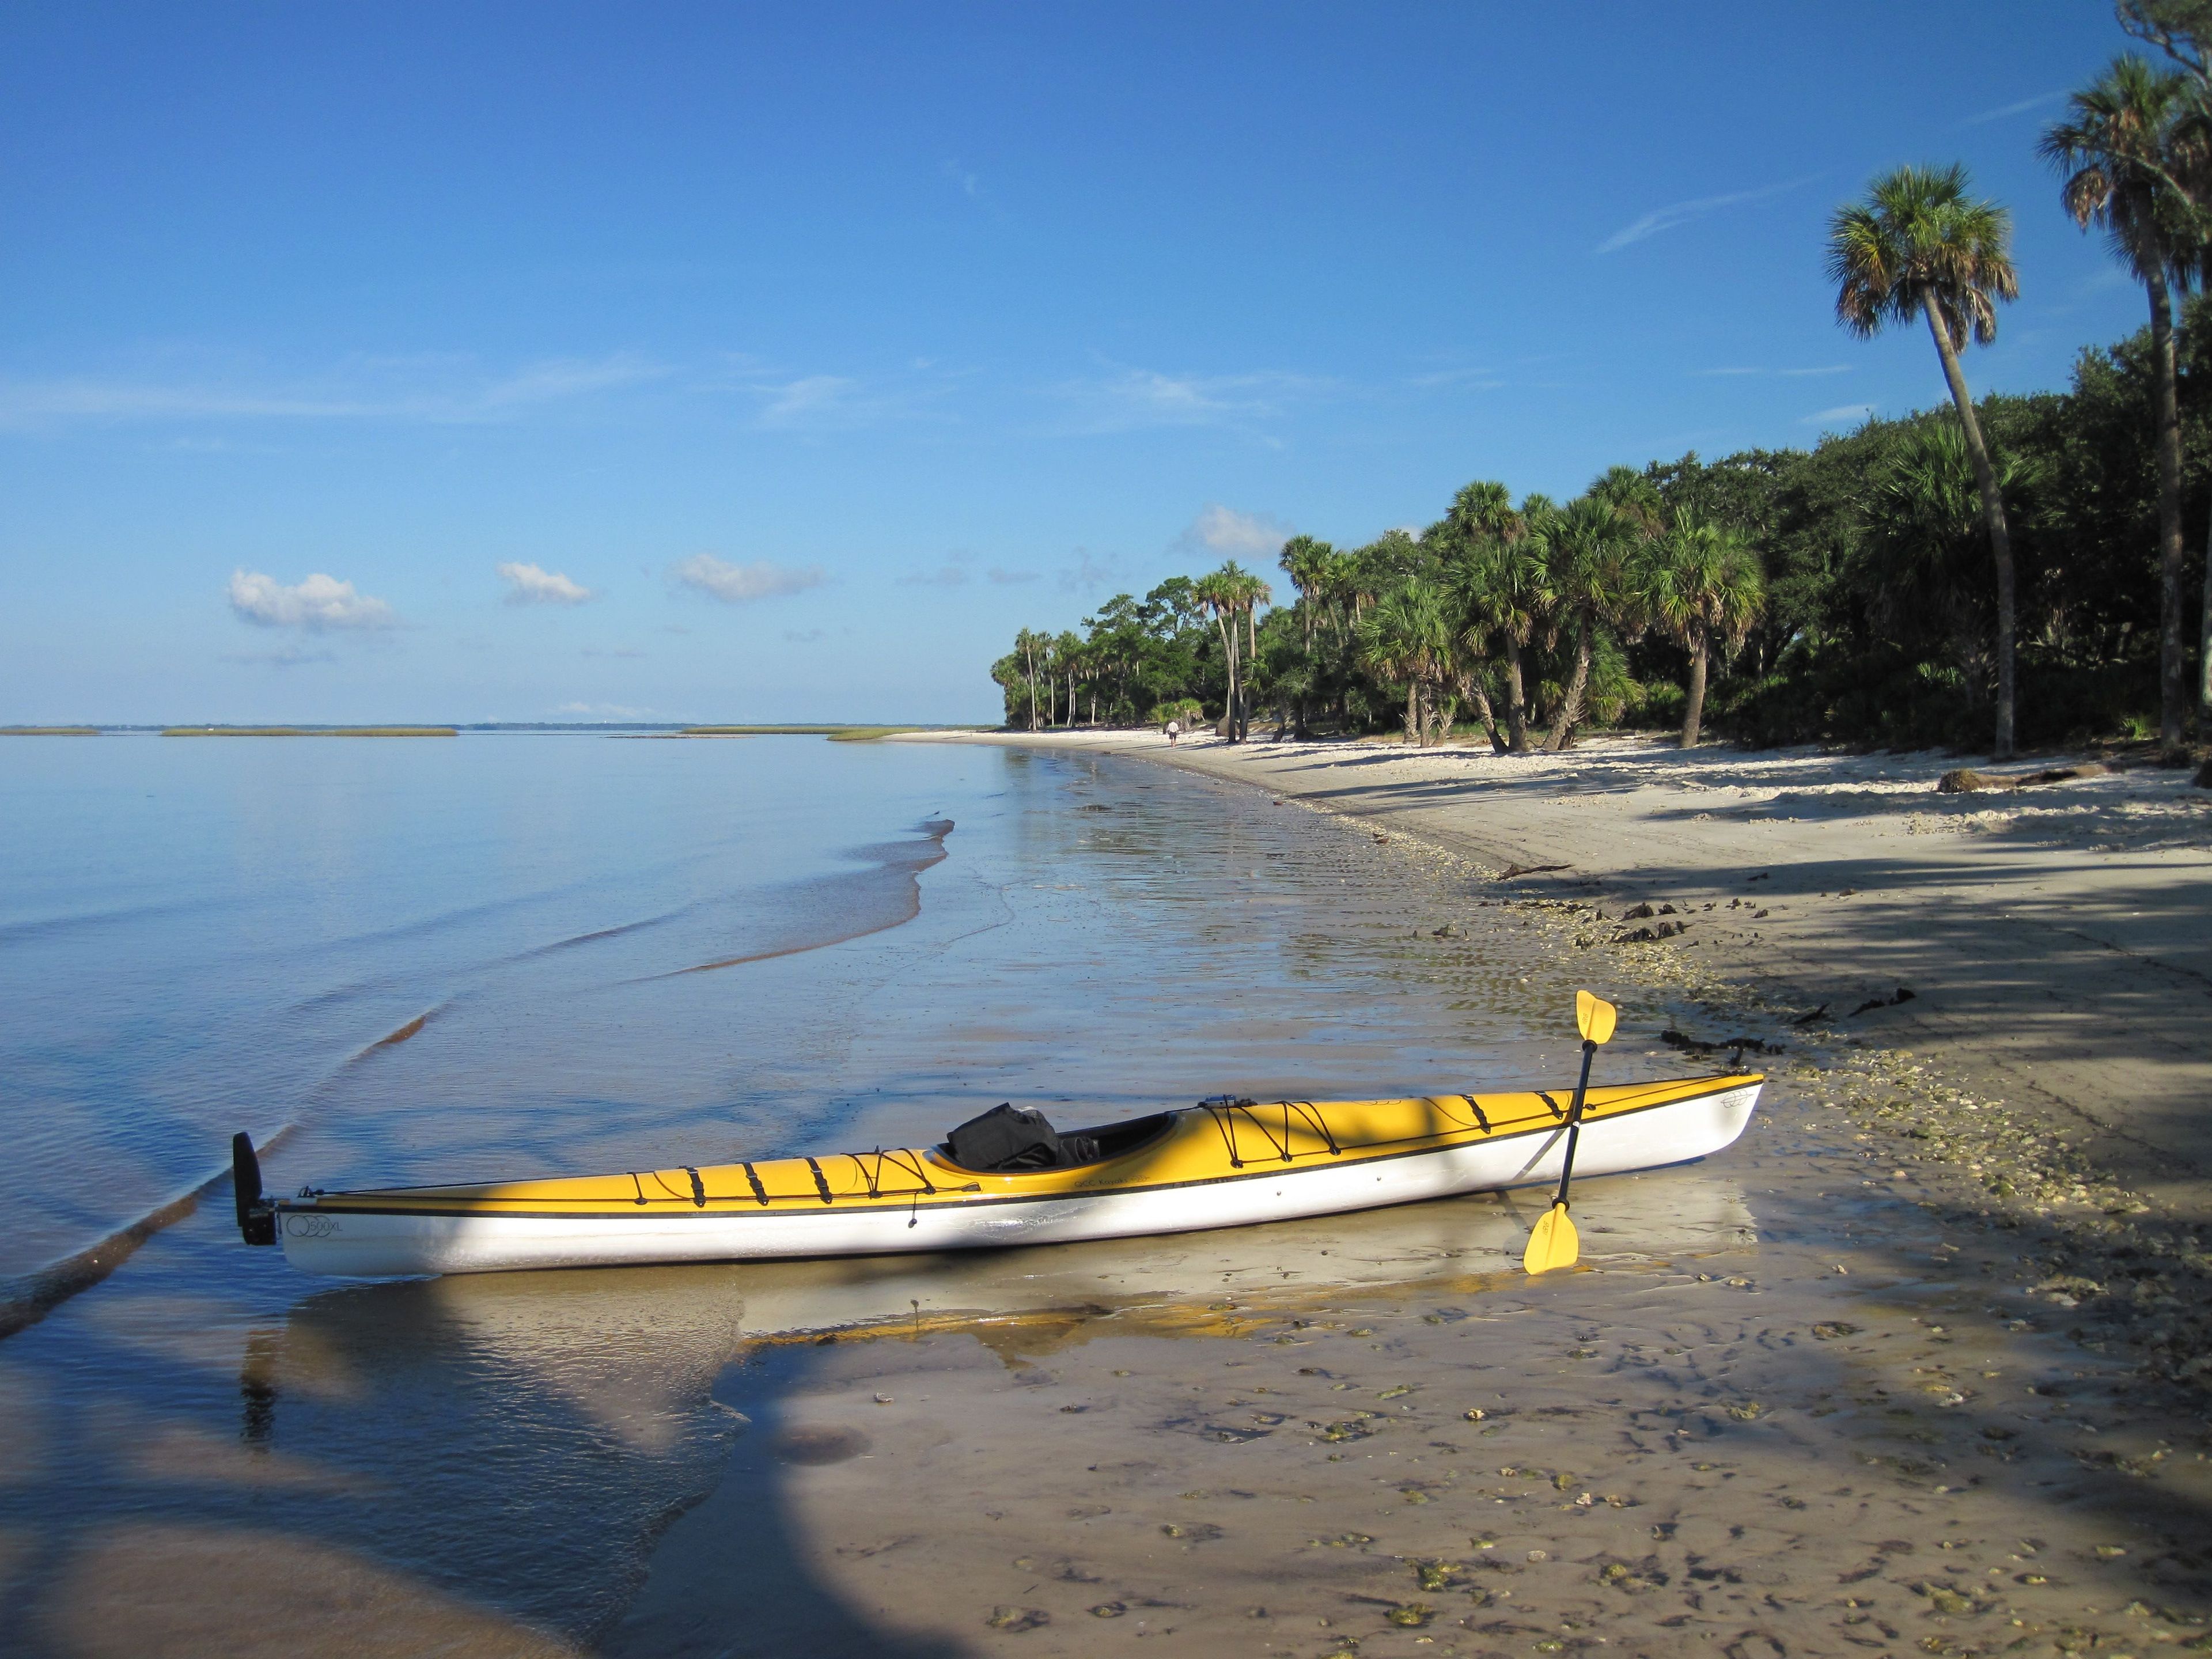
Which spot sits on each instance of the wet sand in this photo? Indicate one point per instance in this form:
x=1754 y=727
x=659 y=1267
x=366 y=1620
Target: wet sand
x=1780 y=1411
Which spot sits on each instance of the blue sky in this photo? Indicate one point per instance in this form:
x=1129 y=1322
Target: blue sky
x=468 y=362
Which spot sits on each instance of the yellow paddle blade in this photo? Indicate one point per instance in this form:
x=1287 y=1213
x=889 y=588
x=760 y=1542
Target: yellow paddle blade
x=1554 y=1243
x=1594 y=1016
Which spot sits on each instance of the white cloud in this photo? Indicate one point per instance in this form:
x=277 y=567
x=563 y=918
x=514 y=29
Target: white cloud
x=529 y=584
x=1841 y=415
x=317 y=604
x=1681 y=213
x=741 y=584
x=971 y=186
x=1236 y=535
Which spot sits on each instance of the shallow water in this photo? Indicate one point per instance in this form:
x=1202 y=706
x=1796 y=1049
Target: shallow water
x=415 y=961
x=203 y=1451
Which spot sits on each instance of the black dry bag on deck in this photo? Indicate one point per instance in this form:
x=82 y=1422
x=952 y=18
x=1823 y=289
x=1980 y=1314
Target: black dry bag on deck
x=1005 y=1138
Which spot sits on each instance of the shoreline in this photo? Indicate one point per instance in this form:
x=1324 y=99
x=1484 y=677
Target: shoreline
x=2038 y=961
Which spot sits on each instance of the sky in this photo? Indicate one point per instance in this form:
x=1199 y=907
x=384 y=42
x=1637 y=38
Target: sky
x=465 y=362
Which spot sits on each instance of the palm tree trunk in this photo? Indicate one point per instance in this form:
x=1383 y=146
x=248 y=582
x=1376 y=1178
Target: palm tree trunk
x=1472 y=687
x=1694 y=711
x=1412 y=712
x=1516 y=700
x=2172 y=704
x=2205 y=652
x=1570 y=706
x=1985 y=478
x=1236 y=684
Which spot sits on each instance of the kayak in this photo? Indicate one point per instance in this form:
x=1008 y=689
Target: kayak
x=1223 y=1163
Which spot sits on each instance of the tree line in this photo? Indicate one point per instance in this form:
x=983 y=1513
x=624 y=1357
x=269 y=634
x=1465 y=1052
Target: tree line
x=2005 y=570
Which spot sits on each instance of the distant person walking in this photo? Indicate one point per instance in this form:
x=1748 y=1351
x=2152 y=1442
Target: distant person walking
x=1174 y=731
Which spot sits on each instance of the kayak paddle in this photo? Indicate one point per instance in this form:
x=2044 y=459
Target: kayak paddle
x=1554 y=1243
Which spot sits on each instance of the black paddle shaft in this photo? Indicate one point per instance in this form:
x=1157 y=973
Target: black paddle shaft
x=1575 y=1122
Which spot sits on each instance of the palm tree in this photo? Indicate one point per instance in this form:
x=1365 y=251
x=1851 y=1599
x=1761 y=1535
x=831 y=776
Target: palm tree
x=1068 y=657
x=1306 y=562
x=1405 y=636
x=1030 y=646
x=2182 y=29
x=1310 y=565
x=1701 y=583
x=1232 y=594
x=2124 y=139
x=1589 y=542
x=1919 y=245
x=1498 y=582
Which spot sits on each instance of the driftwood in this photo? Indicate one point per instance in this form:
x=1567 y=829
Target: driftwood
x=1965 y=780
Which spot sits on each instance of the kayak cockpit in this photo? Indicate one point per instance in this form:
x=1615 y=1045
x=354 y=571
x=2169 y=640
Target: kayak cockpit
x=1008 y=1140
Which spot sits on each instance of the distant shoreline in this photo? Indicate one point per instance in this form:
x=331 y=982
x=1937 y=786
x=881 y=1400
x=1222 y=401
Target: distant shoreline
x=310 y=732
x=835 y=732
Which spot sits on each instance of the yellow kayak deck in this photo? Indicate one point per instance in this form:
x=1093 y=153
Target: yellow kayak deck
x=1188 y=1146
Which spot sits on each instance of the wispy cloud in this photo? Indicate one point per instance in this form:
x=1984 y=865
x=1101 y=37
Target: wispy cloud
x=285 y=656
x=1677 y=214
x=971 y=186
x=2021 y=107
x=1466 y=380
x=812 y=400
x=628 y=653
x=1732 y=373
x=1841 y=415
x=743 y=584
x=945 y=575
x=316 y=605
x=1089 y=573
x=422 y=393
x=1223 y=530
x=527 y=583
x=843 y=402
x=1005 y=578
x=1130 y=399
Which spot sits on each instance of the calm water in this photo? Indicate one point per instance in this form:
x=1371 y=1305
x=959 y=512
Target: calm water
x=199 y=936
